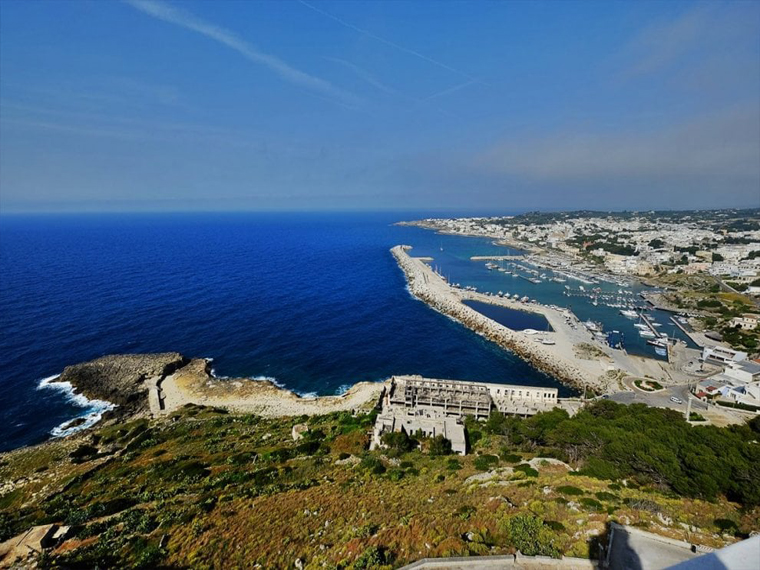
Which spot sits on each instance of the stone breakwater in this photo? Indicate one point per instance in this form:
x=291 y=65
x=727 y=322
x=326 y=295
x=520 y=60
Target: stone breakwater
x=433 y=290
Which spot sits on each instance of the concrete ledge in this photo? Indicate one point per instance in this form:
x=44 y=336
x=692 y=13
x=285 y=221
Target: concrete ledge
x=495 y=562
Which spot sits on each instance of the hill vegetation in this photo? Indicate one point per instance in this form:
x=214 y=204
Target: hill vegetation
x=205 y=488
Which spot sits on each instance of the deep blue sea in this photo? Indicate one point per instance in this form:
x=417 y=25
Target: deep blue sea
x=314 y=301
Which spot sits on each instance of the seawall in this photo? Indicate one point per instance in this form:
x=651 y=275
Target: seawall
x=556 y=360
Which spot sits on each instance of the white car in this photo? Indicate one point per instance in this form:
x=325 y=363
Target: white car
x=676 y=400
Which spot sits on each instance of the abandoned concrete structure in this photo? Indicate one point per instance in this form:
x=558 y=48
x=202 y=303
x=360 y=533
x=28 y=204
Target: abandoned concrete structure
x=430 y=422
x=452 y=396
x=438 y=407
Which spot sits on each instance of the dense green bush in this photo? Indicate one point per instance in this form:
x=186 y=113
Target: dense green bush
x=398 y=441
x=485 y=462
x=507 y=457
x=530 y=536
x=569 y=490
x=652 y=446
x=527 y=469
x=439 y=445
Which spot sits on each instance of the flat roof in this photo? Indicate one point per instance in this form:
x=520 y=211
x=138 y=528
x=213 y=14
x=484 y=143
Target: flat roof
x=748 y=366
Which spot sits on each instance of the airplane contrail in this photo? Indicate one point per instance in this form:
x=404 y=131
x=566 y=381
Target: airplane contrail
x=388 y=42
x=172 y=15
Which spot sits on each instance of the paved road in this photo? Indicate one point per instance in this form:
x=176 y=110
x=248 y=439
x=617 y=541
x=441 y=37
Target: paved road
x=644 y=551
x=660 y=399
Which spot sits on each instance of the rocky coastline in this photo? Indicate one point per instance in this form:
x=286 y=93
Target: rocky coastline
x=121 y=378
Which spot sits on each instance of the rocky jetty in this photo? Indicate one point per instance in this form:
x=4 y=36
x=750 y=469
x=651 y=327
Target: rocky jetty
x=430 y=288
x=121 y=378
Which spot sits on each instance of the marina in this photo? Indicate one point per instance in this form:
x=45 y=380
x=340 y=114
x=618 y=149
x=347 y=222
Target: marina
x=613 y=302
x=554 y=352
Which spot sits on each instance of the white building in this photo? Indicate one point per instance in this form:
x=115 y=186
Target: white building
x=747 y=322
x=722 y=354
x=744 y=371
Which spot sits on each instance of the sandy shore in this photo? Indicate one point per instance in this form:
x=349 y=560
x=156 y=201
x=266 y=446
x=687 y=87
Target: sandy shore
x=564 y=360
x=193 y=384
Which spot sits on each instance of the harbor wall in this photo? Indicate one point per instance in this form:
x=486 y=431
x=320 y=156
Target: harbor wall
x=433 y=290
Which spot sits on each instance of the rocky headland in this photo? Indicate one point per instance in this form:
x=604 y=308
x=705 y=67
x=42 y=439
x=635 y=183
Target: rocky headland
x=121 y=379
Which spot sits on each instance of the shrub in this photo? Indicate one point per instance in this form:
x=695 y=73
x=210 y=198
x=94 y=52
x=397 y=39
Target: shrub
x=591 y=504
x=395 y=474
x=398 y=441
x=473 y=437
x=82 y=452
x=605 y=496
x=453 y=465
x=569 y=490
x=372 y=464
x=529 y=535
x=372 y=557
x=527 y=469
x=726 y=526
x=556 y=526
x=485 y=462
x=308 y=447
x=465 y=512
x=511 y=458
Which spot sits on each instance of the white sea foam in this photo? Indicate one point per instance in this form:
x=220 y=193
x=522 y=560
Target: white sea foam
x=307 y=394
x=342 y=389
x=274 y=381
x=282 y=386
x=94 y=408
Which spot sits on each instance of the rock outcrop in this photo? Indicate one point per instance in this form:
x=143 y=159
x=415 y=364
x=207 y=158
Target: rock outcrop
x=120 y=378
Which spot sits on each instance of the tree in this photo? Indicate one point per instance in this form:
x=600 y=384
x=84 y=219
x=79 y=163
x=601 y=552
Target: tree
x=398 y=441
x=717 y=257
x=439 y=445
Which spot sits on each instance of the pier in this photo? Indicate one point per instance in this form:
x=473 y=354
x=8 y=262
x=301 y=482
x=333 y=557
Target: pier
x=496 y=257
x=697 y=337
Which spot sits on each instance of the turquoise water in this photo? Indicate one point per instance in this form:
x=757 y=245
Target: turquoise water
x=453 y=261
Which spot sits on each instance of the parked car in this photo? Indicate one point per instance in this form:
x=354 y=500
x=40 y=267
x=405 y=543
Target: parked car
x=676 y=400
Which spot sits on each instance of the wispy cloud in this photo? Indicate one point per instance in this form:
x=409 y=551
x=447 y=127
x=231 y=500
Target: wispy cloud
x=450 y=90
x=186 y=20
x=707 y=30
x=387 y=42
x=722 y=145
x=663 y=43
x=363 y=74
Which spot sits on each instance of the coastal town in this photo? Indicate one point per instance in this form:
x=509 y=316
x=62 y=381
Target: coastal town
x=702 y=266
x=722 y=243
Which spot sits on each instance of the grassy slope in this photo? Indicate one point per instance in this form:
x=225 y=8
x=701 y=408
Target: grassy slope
x=207 y=489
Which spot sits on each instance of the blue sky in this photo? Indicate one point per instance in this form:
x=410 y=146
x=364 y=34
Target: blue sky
x=488 y=106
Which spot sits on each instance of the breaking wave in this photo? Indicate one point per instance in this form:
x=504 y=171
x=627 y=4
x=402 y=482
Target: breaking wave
x=94 y=409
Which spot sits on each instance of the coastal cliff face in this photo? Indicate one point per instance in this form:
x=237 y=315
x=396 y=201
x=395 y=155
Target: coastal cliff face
x=120 y=378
